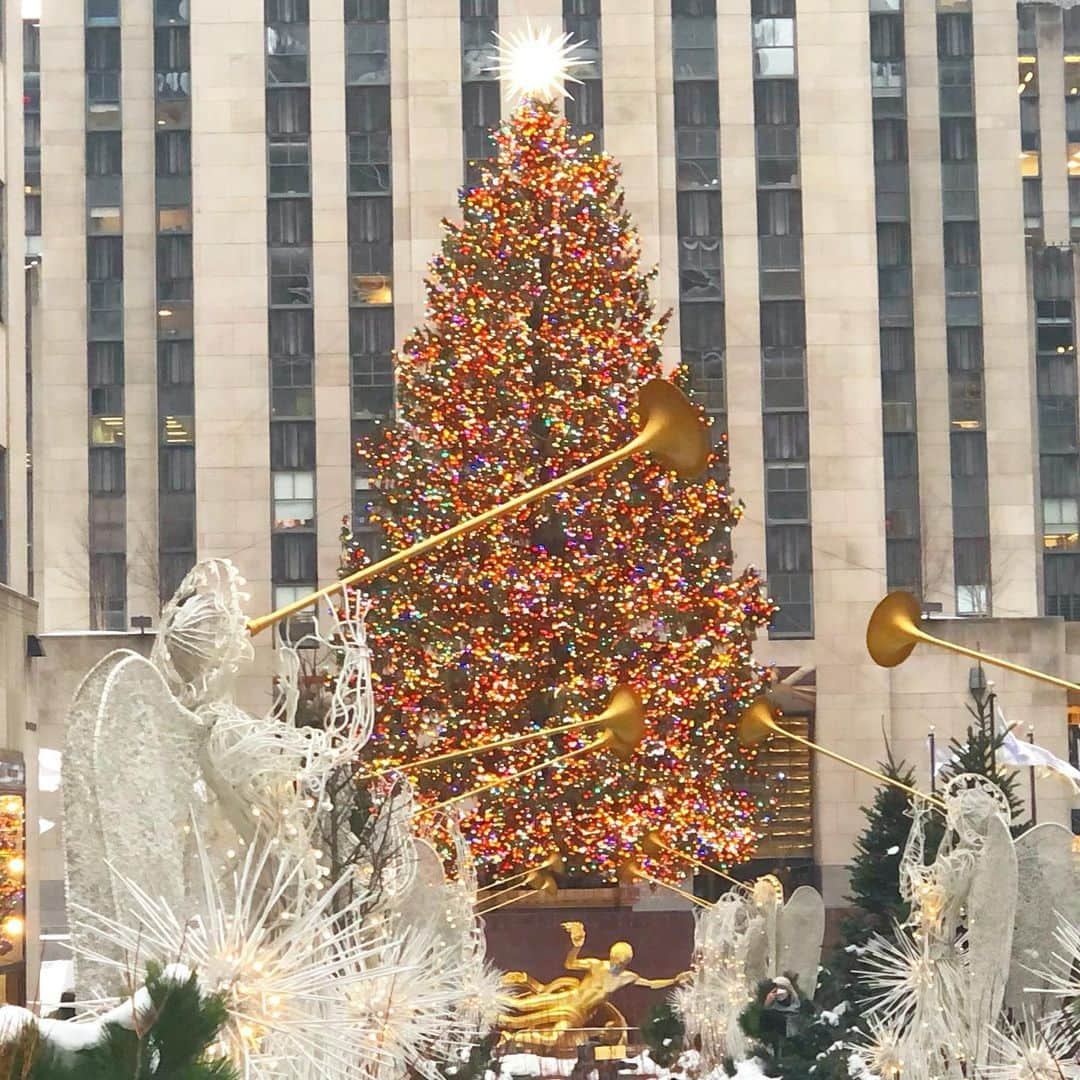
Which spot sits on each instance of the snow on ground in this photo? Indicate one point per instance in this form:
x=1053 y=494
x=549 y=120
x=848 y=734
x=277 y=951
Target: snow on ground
x=688 y=1065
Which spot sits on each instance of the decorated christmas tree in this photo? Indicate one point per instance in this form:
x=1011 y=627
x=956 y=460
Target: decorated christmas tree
x=539 y=333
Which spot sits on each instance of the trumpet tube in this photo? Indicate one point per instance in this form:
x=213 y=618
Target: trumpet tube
x=894 y=631
x=501 y=882
x=760 y=718
x=605 y=740
x=637 y=872
x=673 y=431
x=655 y=840
x=505 y=903
x=622 y=718
x=539 y=880
x=453 y=755
x=553 y=862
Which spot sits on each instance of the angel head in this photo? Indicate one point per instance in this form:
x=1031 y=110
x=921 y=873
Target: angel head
x=202 y=637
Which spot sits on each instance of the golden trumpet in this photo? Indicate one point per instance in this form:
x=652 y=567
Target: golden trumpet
x=672 y=431
x=617 y=747
x=630 y=872
x=893 y=631
x=654 y=844
x=760 y=720
x=542 y=881
x=623 y=719
x=553 y=862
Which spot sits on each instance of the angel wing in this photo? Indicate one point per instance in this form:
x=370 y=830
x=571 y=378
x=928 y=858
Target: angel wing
x=991 y=909
x=135 y=749
x=88 y=879
x=1046 y=890
x=800 y=931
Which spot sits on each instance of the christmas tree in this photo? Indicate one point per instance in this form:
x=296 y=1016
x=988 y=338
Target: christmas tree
x=539 y=333
x=977 y=753
x=875 y=886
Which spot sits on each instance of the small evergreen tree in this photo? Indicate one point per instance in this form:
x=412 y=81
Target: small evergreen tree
x=171 y=1042
x=977 y=753
x=804 y=1042
x=875 y=888
x=664 y=1034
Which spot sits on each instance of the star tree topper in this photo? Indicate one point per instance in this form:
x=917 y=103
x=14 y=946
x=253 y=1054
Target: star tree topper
x=537 y=63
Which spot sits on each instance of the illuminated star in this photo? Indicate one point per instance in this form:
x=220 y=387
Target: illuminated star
x=537 y=63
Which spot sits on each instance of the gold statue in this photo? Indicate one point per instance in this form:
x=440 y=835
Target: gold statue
x=557 y=1015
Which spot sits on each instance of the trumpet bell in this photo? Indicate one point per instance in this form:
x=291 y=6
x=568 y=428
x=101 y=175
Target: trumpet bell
x=628 y=873
x=543 y=881
x=757 y=722
x=624 y=721
x=652 y=843
x=893 y=630
x=676 y=434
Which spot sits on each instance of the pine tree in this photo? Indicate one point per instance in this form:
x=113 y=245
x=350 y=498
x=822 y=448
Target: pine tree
x=977 y=752
x=539 y=333
x=664 y=1033
x=874 y=872
x=805 y=1043
x=172 y=1042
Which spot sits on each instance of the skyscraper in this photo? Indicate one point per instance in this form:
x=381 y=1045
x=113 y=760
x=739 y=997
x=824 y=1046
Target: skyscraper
x=863 y=228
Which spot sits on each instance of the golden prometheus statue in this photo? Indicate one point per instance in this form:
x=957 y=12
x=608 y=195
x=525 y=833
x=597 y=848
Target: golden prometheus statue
x=559 y=1015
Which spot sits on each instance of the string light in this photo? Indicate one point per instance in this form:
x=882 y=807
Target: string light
x=539 y=332
x=12 y=871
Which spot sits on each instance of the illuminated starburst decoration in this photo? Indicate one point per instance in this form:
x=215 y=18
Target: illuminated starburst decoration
x=910 y=984
x=304 y=981
x=880 y=1053
x=537 y=63
x=1033 y=1050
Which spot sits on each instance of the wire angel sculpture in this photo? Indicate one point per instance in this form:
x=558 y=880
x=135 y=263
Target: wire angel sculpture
x=938 y=988
x=244 y=846
x=749 y=935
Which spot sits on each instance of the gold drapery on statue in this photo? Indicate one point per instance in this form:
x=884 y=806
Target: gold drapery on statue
x=556 y=1017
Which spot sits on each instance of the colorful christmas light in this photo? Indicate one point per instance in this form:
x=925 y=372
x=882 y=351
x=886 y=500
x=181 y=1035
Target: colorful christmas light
x=539 y=332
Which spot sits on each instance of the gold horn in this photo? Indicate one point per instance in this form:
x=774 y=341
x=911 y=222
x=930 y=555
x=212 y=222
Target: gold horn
x=893 y=631
x=607 y=739
x=630 y=872
x=654 y=844
x=671 y=429
x=623 y=718
x=553 y=862
x=542 y=881
x=760 y=720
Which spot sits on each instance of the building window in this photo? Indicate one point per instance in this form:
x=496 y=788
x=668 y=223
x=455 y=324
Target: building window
x=289 y=166
x=294 y=555
x=287 y=48
x=108 y=591
x=294 y=500
x=292 y=445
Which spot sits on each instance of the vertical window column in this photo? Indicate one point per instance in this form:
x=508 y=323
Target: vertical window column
x=290 y=299
x=786 y=423
x=585 y=106
x=175 y=297
x=963 y=308
x=480 y=105
x=903 y=556
x=1059 y=444
x=1071 y=43
x=32 y=134
x=371 y=243
x=105 y=317
x=700 y=213
x=1028 y=91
